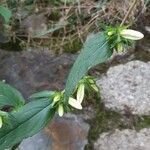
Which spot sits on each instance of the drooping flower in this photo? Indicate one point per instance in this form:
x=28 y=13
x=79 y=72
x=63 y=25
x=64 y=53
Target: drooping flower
x=131 y=34
x=1 y=122
x=74 y=103
x=80 y=93
x=60 y=110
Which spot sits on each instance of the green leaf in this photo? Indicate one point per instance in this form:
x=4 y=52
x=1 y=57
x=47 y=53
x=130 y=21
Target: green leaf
x=96 y=50
x=6 y=13
x=26 y=122
x=42 y=94
x=10 y=96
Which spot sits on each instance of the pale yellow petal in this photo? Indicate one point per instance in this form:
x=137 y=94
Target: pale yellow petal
x=80 y=93
x=131 y=34
x=60 y=110
x=74 y=103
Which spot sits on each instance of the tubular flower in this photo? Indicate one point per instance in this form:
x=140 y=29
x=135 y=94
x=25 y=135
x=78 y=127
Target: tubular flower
x=74 y=103
x=1 y=122
x=131 y=34
x=60 y=110
x=80 y=93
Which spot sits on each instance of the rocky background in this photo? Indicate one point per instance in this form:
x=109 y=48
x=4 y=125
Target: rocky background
x=117 y=120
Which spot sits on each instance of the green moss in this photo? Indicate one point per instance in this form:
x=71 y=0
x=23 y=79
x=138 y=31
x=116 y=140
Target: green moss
x=104 y=121
x=142 y=122
x=108 y=121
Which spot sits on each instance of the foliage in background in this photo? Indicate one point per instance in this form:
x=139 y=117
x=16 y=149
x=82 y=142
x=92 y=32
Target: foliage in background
x=78 y=17
x=5 y=13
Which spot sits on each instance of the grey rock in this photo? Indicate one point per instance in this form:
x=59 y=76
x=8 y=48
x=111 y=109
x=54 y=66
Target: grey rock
x=34 y=71
x=124 y=140
x=40 y=141
x=127 y=87
x=68 y=133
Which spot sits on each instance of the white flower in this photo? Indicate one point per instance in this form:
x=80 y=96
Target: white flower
x=60 y=110
x=80 y=93
x=74 y=103
x=131 y=34
x=1 y=122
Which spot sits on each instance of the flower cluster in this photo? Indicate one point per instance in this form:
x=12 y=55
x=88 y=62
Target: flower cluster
x=86 y=82
x=121 y=37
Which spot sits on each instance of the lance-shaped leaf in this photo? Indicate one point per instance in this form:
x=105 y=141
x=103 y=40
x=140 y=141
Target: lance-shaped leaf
x=96 y=50
x=6 y=13
x=26 y=122
x=10 y=96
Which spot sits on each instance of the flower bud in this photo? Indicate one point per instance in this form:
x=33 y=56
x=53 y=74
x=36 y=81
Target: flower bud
x=60 y=110
x=74 y=103
x=95 y=87
x=110 y=33
x=1 y=122
x=80 y=93
x=119 y=47
x=91 y=81
x=131 y=34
